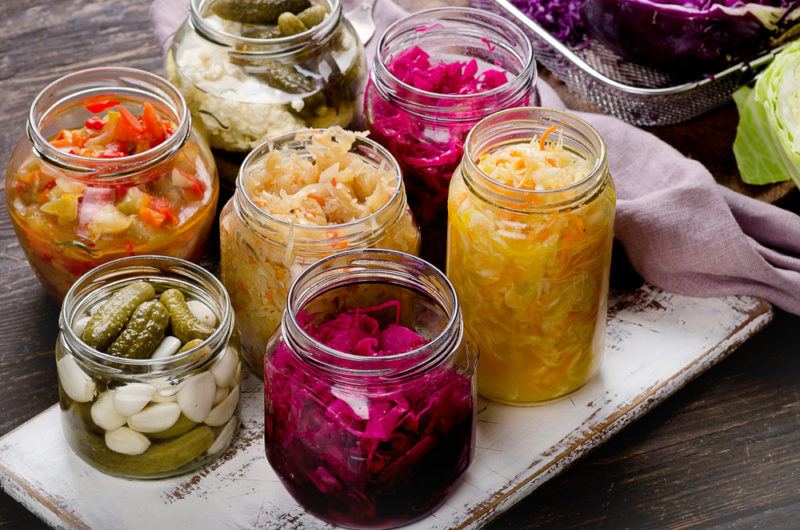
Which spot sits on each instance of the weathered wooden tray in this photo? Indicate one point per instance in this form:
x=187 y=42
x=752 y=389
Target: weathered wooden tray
x=656 y=343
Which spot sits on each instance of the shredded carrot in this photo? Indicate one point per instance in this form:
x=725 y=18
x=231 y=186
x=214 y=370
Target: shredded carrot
x=547 y=133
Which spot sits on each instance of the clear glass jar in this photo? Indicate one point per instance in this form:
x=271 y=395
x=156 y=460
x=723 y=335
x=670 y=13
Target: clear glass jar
x=245 y=89
x=425 y=131
x=370 y=441
x=109 y=401
x=261 y=254
x=72 y=213
x=531 y=267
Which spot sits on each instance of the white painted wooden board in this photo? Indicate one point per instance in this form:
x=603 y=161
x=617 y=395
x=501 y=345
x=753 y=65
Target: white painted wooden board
x=656 y=343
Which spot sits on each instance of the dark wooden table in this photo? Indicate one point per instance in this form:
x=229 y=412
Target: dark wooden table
x=724 y=451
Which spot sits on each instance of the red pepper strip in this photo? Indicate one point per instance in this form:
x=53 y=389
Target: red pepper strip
x=196 y=188
x=95 y=123
x=153 y=125
x=151 y=216
x=164 y=207
x=129 y=129
x=99 y=106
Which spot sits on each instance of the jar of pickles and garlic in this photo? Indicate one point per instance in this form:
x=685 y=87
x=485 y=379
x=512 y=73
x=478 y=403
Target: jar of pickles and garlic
x=253 y=69
x=531 y=222
x=299 y=198
x=110 y=167
x=148 y=367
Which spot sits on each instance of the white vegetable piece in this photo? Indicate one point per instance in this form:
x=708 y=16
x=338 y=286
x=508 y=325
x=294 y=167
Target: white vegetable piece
x=223 y=412
x=104 y=415
x=168 y=347
x=155 y=418
x=197 y=396
x=224 y=437
x=80 y=325
x=127 y=441
x=220 y=394
x=203 y=313
x=131 y=398
x=224 y=368
x=74 y=381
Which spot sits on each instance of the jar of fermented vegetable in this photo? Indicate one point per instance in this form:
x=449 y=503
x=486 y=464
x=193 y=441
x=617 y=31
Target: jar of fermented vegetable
x=258 y=68
x=369 y=390
x=110 y=167
x=436 y=73
x=531 y=217
x=148 y=368
x=301 y=197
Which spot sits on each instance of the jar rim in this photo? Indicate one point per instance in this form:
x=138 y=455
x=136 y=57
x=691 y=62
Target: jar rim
x=436 y=347
x=528 y=73
x=285 y=44
x=268 y=145
x=165 y=366
x=543 y=115
x=108 y=80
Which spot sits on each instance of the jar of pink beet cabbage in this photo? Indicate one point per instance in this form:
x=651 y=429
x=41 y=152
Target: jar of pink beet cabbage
x=370 y=390
x=437 y=73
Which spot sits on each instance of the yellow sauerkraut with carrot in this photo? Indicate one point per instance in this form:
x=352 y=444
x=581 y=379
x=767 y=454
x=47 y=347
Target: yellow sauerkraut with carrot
x=533 y=280
x=306 y=203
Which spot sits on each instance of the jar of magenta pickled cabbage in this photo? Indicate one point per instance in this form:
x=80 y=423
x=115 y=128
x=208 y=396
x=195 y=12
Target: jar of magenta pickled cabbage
x=531 y=225
x=370 y=390
x=436 y=73
x=110 y=167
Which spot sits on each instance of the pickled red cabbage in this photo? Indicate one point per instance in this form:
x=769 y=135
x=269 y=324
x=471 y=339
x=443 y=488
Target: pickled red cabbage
x=378 y=454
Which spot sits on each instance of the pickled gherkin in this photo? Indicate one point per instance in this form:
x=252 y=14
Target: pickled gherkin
x=257 y=11
x=144 y=332
x=194 y=343
x=184 y=324
x=109 y=321
x=282 y=76
x=290 y=24
x=312 y=16
x=183 y=425
x=261 y=32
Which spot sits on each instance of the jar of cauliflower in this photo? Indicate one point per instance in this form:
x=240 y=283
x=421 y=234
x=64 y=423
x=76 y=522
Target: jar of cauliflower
x=299 y=198
x=253 y=69
x=531 y=223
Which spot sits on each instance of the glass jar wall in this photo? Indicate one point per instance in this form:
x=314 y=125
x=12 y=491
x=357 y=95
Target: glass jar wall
x=529 y=251
x=369 y=390
x=110 y=167
x=265 y=245
x=147 y=414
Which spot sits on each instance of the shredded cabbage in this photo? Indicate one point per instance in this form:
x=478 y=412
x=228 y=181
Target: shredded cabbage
x=533 y=285
x=379 y=454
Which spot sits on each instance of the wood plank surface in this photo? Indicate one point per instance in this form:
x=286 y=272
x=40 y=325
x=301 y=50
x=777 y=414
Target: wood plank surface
x=724 y=451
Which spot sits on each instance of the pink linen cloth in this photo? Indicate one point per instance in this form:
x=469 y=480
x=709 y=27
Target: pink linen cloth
x=682 y=231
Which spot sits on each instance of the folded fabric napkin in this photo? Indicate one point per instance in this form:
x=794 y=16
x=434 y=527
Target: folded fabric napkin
x=682 y=231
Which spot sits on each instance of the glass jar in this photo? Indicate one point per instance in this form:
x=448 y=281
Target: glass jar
x=244 y=89
x=261 y=254
x=72 y=213
x=156 y=417
x=377 y=440
x=531 y=267
x=424 y=130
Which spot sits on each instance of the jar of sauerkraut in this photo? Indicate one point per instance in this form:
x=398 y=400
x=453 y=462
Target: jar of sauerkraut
x=436 y=73
x=148 y=368
x=110 y=167
x=531 y=222
x=250 y=70
x=301 y=197
x=369 y=390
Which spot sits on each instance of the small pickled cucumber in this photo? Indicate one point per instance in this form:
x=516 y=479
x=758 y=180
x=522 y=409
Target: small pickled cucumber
x=290 y=24
x=185 y=325
x=144 y=332
x=312 y=15
x=183 y=425
x=109 y=321
x=282 y=76
x=191 y=344
x=261 y=32
x=257 y=11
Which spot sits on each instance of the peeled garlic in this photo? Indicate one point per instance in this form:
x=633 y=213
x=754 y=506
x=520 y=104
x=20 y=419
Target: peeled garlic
x=197 y=396
x=155 y=418
x=127 y=441
x=131 y=398
x=223 y=412
x=224 y=437
x=104 y=415
x=80 y=325
x=74 y=381
x=220 y=394
x=224 y=368
x=202 y=312
x=168 y=347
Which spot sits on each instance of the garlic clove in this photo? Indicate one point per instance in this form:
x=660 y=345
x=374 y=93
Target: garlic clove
x=74 y=381
x=203 y=313
x=131 y=398
x=220 y=394
x=197 y=396
x=104 y=415
x=155 y=418
x=79 y=325
x=224 y=437
x=224 y=368
x=223 y=412
x=127 y=441
x=169 y=346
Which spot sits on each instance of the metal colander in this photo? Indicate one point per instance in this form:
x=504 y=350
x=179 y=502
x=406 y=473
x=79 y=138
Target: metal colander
x=631 y=92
